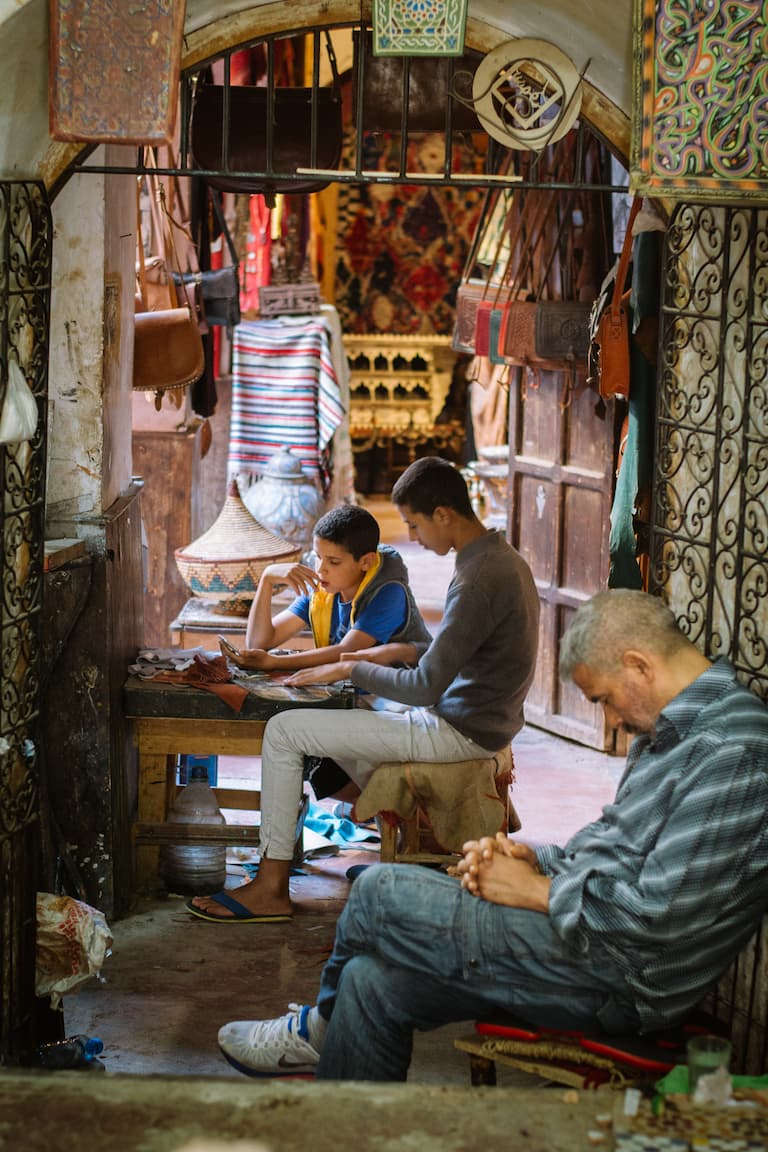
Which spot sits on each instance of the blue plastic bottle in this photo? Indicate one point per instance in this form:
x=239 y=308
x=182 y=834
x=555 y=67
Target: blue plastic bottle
x=72 y=1052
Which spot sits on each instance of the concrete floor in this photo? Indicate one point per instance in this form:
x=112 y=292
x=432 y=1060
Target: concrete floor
x=171 y=980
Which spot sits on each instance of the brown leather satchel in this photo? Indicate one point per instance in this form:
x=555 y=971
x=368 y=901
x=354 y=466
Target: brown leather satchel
x=167 y=351
x=609 y=326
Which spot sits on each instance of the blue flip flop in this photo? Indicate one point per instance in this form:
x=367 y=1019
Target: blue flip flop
x=241 y=914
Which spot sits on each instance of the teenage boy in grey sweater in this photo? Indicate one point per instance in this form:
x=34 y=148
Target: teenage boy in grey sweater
x=465 y=695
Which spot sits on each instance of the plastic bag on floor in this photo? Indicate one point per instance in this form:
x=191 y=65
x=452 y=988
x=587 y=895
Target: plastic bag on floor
x=73 y=940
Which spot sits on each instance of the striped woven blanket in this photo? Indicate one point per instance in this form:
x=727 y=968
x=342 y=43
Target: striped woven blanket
x=285 y=394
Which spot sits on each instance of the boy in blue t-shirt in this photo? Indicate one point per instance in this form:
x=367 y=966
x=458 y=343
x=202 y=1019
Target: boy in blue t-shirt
x=357 y=597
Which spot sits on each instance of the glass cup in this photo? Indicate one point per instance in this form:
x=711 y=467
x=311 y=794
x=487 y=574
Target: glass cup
x=706 y=1054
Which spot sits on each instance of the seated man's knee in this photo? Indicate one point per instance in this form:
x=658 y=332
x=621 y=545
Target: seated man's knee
x=361 y=981
x=279 y=728
x=367 y=883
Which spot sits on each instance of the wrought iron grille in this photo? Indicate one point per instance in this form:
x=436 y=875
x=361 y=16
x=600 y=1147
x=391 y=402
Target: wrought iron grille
x=25 y=282
x=709 y=540
x=709 y=536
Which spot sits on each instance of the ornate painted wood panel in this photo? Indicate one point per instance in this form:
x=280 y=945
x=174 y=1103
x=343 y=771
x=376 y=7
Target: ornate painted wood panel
x=701 y=74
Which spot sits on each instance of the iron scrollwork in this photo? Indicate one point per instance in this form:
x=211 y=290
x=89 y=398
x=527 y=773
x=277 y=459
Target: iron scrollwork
x=709 y=543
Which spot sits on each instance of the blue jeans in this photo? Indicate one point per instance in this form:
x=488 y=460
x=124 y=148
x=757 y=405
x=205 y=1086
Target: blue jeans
x=413 y=950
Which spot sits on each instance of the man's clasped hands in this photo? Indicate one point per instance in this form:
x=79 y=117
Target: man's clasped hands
x=503 y=871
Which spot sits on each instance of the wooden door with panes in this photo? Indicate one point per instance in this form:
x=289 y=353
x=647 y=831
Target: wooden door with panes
x=560 y=491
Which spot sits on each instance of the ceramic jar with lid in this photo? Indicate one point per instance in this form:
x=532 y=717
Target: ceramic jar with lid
x=286 y=500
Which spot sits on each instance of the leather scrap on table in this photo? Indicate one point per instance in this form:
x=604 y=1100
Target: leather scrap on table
x=461 y=801
x=211 y=673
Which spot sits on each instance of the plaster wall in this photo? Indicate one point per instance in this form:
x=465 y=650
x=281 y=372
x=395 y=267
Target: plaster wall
x=75 y=421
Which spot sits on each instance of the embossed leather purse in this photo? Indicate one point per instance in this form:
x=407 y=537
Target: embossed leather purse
x=469 y=296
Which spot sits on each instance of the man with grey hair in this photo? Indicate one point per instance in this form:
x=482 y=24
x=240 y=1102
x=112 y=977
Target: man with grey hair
x=624 y=928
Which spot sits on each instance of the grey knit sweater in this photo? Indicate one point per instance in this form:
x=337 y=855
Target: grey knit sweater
x=478 y=669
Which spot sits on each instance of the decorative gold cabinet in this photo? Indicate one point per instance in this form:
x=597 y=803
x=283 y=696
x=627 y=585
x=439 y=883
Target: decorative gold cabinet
x=398 y=388
x=397 y=382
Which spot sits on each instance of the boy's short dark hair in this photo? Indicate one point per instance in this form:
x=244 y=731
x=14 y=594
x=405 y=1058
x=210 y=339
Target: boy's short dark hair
x=350 y=526
x=431 y=483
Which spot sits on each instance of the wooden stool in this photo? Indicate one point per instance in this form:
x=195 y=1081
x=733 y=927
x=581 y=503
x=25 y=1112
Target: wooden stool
x=427 y=810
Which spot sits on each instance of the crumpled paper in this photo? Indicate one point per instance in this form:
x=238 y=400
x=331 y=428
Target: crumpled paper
x=73 y=941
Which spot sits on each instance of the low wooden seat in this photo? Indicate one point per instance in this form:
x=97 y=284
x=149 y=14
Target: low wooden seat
x=579 y=1059
x=426 y=811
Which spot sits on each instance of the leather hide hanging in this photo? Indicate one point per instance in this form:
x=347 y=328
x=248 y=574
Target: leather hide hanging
x=114 y=70
x=247 y=136
x=431 y=82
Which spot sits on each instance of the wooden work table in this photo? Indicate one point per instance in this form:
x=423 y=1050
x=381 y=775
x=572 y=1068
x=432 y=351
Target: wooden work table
x=169 y=719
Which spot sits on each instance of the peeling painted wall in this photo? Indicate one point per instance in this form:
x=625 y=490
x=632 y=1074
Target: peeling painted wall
x=75 y=426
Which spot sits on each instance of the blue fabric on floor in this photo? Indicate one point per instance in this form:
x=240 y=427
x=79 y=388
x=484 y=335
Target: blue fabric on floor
x=337 y=828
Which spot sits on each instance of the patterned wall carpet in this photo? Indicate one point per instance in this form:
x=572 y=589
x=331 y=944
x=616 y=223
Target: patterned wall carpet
x=400 y=249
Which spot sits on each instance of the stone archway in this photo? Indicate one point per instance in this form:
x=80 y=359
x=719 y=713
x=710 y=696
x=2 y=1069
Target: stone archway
x=602 y=115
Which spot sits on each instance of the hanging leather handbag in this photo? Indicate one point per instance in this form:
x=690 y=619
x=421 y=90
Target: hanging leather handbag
x=220 y=287
x=562 y=330
x=478 y=299
x=518 y=338
x=495 y=328
x=517 y=335
x=469 y=296
x=483 y=327
x=431 y=80
x=609 y=325
x=248 y=131
x=168 y=349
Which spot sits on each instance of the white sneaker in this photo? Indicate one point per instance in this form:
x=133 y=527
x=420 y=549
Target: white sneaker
x=270 y=1047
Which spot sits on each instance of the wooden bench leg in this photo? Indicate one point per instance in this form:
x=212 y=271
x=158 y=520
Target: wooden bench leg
x=388 y=849
x=482 y=1072
x=156 y=775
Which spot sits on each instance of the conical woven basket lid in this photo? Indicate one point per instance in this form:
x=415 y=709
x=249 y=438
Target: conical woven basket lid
x=237 y=535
